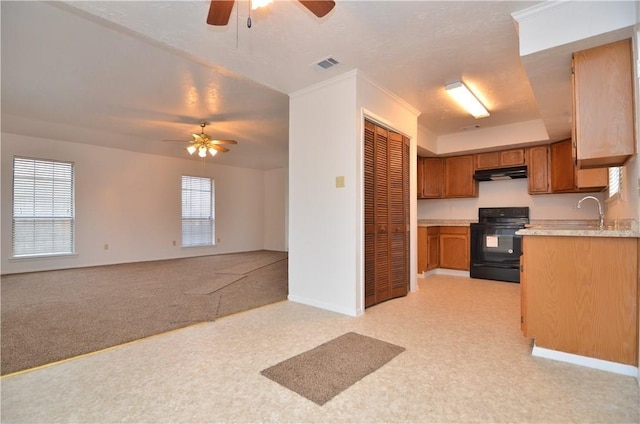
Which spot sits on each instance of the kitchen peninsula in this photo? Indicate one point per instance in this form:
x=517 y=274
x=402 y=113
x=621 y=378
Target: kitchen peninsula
x=579 y=291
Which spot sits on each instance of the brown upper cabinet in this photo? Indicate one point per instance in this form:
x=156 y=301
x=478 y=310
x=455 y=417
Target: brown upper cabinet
x=567 y=178
x=538 y=169
x=446 y=177
x=420 y=177
x=603 y=126
x=551 y=169
x=490 y=160
x=430 y=178
x=458 y=177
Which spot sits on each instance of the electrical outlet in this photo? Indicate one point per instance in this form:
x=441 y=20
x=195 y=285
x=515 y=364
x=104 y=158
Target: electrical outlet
x=174 y=242
x=106 y=246
x=217 y=241
x=340 y=181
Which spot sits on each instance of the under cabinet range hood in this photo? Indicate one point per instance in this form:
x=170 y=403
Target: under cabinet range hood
x=501 y=173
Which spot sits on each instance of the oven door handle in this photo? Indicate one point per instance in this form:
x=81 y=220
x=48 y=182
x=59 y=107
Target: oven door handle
x=497 y=265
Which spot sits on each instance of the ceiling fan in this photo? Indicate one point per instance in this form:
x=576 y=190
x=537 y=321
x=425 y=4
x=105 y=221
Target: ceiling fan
x=203 y=143
x=220 y=10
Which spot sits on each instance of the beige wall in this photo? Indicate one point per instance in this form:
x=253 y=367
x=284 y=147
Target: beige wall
x=132 y=202
x=326 y=259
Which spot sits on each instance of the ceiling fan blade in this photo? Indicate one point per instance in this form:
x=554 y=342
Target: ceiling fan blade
x=218 y=148
x=219 y=12
x=318 y=7
x=199 y=138
x=214 y=141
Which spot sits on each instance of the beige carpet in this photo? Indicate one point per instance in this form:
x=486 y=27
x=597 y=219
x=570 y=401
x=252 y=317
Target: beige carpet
x=327 y=370
x=55 y=315
x=215 y=283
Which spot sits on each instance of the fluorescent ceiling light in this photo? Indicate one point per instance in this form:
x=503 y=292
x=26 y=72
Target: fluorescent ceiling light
x=466 y=99
x=255 y=4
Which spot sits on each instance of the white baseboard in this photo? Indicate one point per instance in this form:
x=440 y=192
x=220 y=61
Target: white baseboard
x=585 y=361
x=325 y=306
x=445 y=271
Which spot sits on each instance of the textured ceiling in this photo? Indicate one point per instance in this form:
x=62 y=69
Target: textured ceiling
x=131 y=74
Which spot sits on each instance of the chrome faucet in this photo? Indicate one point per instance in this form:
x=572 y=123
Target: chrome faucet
x=601 y=220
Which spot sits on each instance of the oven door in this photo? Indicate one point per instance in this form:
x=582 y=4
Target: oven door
x=495 y=251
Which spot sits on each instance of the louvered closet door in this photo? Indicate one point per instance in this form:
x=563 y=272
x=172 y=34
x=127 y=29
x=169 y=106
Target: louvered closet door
x=386 y=180
x=369 y=215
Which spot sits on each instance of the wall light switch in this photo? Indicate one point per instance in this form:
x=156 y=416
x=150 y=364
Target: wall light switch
x=340 y=181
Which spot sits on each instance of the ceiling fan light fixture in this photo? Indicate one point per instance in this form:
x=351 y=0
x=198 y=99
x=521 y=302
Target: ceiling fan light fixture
x=465 y=98
x=203 y=143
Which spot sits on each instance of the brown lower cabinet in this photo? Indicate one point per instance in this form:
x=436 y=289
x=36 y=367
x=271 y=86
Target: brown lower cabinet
x=580 y=295
x=433 y=252
x=454 y=248
x=423 y=248
x=443 y=247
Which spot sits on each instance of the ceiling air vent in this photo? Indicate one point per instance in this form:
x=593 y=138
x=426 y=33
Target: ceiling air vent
x=470 y=127
x=326 y=64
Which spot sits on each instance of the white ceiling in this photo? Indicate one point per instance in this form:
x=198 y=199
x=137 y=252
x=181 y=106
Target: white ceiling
x=132 y=74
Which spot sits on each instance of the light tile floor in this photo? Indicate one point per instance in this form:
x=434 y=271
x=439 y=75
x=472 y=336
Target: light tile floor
x=466 y=361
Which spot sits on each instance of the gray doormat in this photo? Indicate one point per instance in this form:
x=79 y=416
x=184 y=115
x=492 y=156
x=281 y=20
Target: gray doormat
x=327 y=370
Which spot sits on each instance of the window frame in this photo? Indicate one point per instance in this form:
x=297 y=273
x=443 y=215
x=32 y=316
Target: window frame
x=64 y=243
x=191 y=236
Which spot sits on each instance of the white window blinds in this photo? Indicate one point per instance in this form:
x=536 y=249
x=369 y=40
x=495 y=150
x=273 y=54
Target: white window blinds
x=43 y=207
x=198 y=217
x=615 y=181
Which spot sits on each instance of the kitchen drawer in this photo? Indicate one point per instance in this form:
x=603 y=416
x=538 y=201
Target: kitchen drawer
x=454 y=230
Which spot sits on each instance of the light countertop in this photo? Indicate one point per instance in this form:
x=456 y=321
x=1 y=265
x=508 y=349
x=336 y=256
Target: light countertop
x=445 y=222
x=580 y=229
x=586 y=228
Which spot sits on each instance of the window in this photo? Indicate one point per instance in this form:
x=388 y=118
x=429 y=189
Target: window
x=43 y=211
x=198 y=223
x=615 y=182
